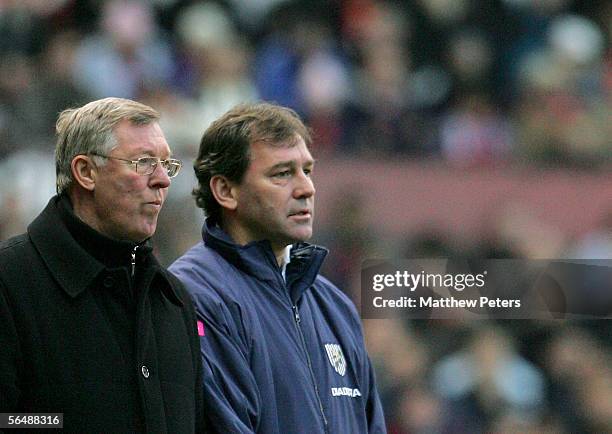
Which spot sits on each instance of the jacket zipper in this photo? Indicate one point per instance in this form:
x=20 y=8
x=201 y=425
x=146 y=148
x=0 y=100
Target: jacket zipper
x=297 y=319
x=296 y=316
x=134 y=260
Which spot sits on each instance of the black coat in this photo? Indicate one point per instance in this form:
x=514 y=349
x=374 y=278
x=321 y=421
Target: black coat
x=73 y=340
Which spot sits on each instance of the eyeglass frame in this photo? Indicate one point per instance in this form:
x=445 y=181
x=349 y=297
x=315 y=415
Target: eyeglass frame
x=135 y=163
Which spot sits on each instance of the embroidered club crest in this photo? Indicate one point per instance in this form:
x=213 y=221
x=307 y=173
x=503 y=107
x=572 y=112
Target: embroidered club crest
x=336 y=358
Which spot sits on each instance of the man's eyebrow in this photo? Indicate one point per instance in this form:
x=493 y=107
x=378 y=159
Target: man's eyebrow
x=152 y=154
x=290 y=163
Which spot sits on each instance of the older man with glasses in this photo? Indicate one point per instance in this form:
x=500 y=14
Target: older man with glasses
x=91 y=326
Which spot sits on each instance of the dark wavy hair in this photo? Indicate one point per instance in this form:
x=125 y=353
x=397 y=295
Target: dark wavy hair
x=225 y=145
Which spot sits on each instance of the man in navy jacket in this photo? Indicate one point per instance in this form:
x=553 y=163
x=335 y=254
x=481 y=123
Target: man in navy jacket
x=282 y=347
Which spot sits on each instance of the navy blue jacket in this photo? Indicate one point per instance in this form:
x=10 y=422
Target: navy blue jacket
x=279 y=357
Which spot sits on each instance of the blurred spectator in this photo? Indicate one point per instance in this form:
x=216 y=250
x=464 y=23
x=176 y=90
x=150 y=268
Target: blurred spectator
x=421 y=411
x=596 y=243
x=581 y=381
x=28 y=182
x=277 y=60
x=515 y=424
x=16 y=76
x=489 y=379
x=524 y=235
x=382 y=118
x=470 y=59
x=22 y=34
x=564 y=107
x=399 y=367
x=50 y=91
x=21 y=29
x=218 y=57
x=474 y=135
x=127 y=54
x=350 y=241
x=253 y=13
x=323 y=87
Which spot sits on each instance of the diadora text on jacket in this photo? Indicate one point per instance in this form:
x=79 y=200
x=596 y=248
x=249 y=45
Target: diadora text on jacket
x=279 y=355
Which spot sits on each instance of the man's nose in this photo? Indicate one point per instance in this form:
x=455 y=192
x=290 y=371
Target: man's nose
x=305 y=187
x=159 y=177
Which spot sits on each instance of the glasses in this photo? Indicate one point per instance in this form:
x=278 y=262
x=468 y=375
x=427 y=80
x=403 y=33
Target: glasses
x=147 y=165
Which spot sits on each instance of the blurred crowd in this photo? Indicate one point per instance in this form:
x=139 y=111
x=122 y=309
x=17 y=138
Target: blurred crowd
x=473 y=84
x=524 y=377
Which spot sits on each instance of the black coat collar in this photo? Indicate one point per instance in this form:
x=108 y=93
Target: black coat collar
x=70 y=264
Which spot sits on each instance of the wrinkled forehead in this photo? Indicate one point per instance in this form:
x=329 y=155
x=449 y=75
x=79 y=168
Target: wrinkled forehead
x=280 y=142
x=141 y=138
x=293 y=148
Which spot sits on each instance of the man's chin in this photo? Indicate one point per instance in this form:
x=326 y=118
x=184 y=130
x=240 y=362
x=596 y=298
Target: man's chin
x=302 y=236
x=143 y=234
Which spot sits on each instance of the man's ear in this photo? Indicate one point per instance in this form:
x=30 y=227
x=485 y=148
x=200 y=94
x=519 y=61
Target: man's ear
x=84 y=172
x=224 y=192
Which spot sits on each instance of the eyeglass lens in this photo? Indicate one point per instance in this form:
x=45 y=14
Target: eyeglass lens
x=147 y=165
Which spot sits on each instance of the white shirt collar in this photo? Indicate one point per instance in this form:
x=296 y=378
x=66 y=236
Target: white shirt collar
x=285 y=260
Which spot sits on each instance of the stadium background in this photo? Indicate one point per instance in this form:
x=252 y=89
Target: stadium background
x=443 y=127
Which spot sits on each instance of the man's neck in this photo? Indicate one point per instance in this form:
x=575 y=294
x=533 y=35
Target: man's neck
x=83 y=210
x=108 y=251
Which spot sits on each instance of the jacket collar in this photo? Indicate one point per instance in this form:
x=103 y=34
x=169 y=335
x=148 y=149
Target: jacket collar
x=111 y=253
x=70 y=264
x=257 y=259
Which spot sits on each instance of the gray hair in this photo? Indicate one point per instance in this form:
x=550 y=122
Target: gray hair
x=90 y=129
